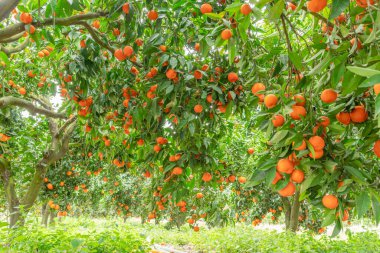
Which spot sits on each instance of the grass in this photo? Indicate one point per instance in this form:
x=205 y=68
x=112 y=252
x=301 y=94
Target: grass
x=88 y=235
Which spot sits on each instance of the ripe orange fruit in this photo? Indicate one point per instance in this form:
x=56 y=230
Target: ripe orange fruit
x=330 y=201
x=171 y=74
x=325 y=121
x=250 y=151
x=329 y=96
x=199 y=195
x=22 y=91
x=231 y=178
x=206 y=8
x=226 y=34
x=233 y=77
x=128 y=51
x=26 y=18
x=198 y=108
x=316 y=5
x=126 y=8
x=297 y=176
x=197 y=74
x=364 y=3
x=140 y=142
x=301 y=147
x=285 y=165
x=50 y=186
x=270 y=101
x=206 y=177
x=196 y=228
x=32 y=29
x=257 y=87
x=288 y=190
x=300 y=100
x=157 y=148
x=152 y=15
x=197 y=47
x=278 y=120
x=317 y=154
x=358 y=114
x=177 y=171
x=291 y=6
x=245 y=9
x=297 y=112
x=277 y=178
x=344 y=118
x=242 y=180
x=376 y=88
x=96 y=24
x=119 y=54
x=376 y=148
x=317 y=142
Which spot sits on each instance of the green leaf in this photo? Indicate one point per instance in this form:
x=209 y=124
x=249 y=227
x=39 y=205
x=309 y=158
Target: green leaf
x=276 y=11
x=338 y=227
x=375 y=79
x=4 y=57
x=362 y=203
x=75 y=243
x=296 y=60
x=355 y=172
x=216 y=16
x=329 y=218
x=377 y=106
x=280 y=135
x=338 y=6
x=376 y=206
x=366 y=72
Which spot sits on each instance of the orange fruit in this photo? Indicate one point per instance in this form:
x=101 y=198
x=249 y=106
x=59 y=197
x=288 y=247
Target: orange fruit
x=278 y=120
x=171 y=74
x=288 y=190
x=226 y=34
x=199 y=195
x=277 y=178
x=197 y=47
x=329 y=96
x=330 y=201
x=316 y=5
x=22 y=91
x=297 y=112
x=300 y=100
x=128 y=51
x=50 y=186
x=177 y=171
x=152 y=15
x=301 y=147
x=270 y=101
x=233 y=77
x=126 y=8
x=26 y=18
x=285 y=165
x=376 y=88
x=206 y=8
x=206 y=177
x=297 y=176
x=364 y=3
x=291 y=6
x=325 y=121
x=198 y=108
x=317 y=154
x=231 y=178
x=376 y=148
x=317 y=142
x=197 y=74
x=245 y=9
x=119 y=54
x=344 y=118
x=96 y=24
x=257 y=87
x=358 y=43
x=242 y=180
x=250 y=151
x=358 y=114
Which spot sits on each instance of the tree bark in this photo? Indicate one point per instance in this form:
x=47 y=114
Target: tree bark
x=287 y=209
x=293 y=226
x=45 y=215
x=51 y=219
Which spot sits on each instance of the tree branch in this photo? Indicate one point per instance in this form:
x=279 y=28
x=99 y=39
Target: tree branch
x=12 y=30
x=13 y=38
x=318 y=16
x=6 y=6
x=95 y=36
x=13 y=101
x=9 y=51
x=66 y=124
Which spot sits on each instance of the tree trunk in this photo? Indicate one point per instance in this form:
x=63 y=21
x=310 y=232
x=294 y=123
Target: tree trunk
x=52 y=221
x=45 y=215
x=293 y=226
x=287 y=209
